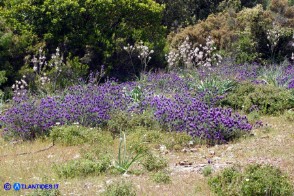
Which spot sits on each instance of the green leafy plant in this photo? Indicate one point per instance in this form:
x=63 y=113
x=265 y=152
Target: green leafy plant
x=271 y=74
x=154 y=163
x=290 y=115
x=253 y=180
x=76 y=134
x=268 y=99
x=121 y=120
x=121 y=188
x=46 y=192
x=207 y=170
x=222 y=86
x=161 y=177
x=245 y=49
x=124 y=160
x=83 y=167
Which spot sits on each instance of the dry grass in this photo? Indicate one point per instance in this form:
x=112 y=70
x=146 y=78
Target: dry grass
x=271 y=145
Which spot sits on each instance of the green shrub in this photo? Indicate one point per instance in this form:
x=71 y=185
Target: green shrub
x=268 y=99
x=143 y=139
x=101 y=26
x=154 y=163
x=174 y=140
x=161 y=177
x=245 y=49
x=253 y=117
x=46 y=192
x=226 y=183
x=120 y=189
x=254 y=180
x=207 y=170
x=290 y=115
x=83 y=167
x=123 y=121
x=76 y=135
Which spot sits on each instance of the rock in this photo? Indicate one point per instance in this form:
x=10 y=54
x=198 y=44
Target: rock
x=162 y=148
x=211 y=152
x=193 y=149
x=108 y=182
x=185 y=163
x=126 y=175
x=229 y=148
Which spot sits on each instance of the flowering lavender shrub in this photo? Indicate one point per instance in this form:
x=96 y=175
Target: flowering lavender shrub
x=175 y=103
x=88 y=105
x=187 y=114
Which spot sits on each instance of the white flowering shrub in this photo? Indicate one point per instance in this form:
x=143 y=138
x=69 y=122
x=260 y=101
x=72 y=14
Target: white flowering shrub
x=190 y=55
x=273 y=36
x=41 y=68
x=20 y=87
x=143 y=54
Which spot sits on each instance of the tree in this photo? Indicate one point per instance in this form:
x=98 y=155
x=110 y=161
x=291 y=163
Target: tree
x=101 y=27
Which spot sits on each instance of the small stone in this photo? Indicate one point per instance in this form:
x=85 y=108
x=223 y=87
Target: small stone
x=229 y=148
x=211 y=152
x=193 y=149
x=108 y=182
x=126 y=175
x=184 y=150
x=162 y=148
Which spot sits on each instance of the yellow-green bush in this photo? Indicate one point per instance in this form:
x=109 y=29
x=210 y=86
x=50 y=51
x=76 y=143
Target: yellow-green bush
x=76 y=135
x=267 y=98
x=253 y=180
x=233 y=30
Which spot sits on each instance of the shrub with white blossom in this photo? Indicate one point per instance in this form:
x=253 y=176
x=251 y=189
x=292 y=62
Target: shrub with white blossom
x=19 y=87
x=190 y=55
x=273 y=36
x=41 y=67
x=143 y=53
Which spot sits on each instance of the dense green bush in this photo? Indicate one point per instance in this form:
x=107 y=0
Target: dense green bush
x=266 y=98
x=161 y=177
x=83 y=167
x=259 y=180
x=14 y=45
x=290 y=115
x=245 y=49
x=96 y=30
x=143 y=139
x=46 y=192
x=178 y=13
x=121 y=188
x=76 y=135
x=123 y=121
x=154 y=163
